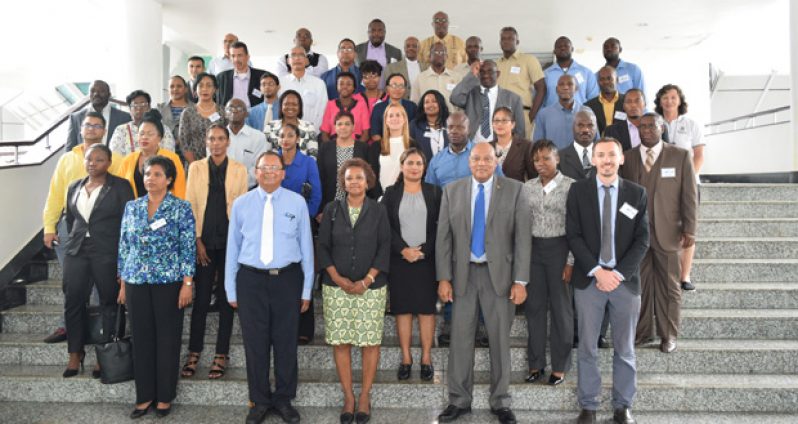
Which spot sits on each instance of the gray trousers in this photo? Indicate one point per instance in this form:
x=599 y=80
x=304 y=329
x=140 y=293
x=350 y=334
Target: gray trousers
x=547 y=292
x=498 y=312
x=624 y=310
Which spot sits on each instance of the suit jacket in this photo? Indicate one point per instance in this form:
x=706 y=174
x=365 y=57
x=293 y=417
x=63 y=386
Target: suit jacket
x=235 y=184
x=328 y=168
x=673 y=201
x=117 y=117
x=571 y=164
x=583 y=231
x=400 y=67
x=393 y=54
x=518 y=164
x=432 y=198
x=105 y=220
x=418 y=129
x=467 y=95
x=598 y=109
x=508 y=235
x=620 y=132
x=225 y=91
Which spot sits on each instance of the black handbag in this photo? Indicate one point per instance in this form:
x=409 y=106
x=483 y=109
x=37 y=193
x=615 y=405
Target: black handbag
x=116 y=356
x=94 y=326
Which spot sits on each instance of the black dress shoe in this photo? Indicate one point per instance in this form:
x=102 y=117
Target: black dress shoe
x=687 y=286
x=554 y=380
x=362 y=417
x=668 y=346
x=535 y=375
x=505 y=415
x=257 y=414
x=162 y=412
x=452 y=413
x=586 y=417
x=404 y=371
x=603 y=343
x=623 y=416
x=287 y=412
x=138 y=413
x=58 y=336
x=427 y=372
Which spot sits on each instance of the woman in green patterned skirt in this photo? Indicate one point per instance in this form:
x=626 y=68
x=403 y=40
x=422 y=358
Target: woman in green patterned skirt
x=354 y=251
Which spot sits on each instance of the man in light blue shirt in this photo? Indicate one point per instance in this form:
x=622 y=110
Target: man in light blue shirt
x=451 y=163
x=556 y=122
x=587 y=88
x=629 y=75
x=270 y=263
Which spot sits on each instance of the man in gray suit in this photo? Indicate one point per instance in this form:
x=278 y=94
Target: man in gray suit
x=483 y=250
x=409 y=67
x=376 y=48
x=480 y=97
x=100 y=96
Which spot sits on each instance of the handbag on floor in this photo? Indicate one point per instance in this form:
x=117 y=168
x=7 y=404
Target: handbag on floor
x=116 y=356
x=94 y=326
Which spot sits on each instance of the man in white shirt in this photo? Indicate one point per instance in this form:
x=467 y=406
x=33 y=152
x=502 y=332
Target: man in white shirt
x=316 y=63
x=246 y=143
x=409 y=67
x=223 y=62
x=311 y=88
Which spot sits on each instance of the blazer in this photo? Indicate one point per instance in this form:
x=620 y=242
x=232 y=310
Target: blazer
x=583 y=231
x=166 y=113
x=620 y=132
x=392 y=53
x=225 y=91
x=518 y=164
x=598 y=110
x=432 y=198
x=418 y=131
x=467 y=95
x=571 y=164
x=673 y=200
x=400 y=67
x=131 y=161
x=508 y=235
x=328 y=167
x=106 y=215
x=117 y=117
x=353 y=250
x=235 y=184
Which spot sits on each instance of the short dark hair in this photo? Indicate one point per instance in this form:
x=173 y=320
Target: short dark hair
x=370 y=67
x=668 y=87
x=394 y=75
x=636 y=90
x=541 y=145
x=443 y=109
x=270 y=153
x=193 y=58
x=285 y=94
x=346 y=74
x=217 y=125
x=166 y=164
x=608 y=140
x=97 y=115
x=509 y=29
x=506 y=110
x=202 y=75
x=153 y=116
x=137 y=93
x=101 y=147
x=376 y=21
x=293 y=128
x=344 y=114
x=268 y=74
x=183 y=80
x=371 y=178
x=345 y=40
x=240 y=45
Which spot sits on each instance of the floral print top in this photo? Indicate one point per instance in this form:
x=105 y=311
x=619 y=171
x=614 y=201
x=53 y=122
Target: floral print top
x=192 y=128
x=160 y=250
x=307 y=143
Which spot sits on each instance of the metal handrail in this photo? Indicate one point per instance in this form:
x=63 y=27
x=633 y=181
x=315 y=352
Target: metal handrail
x=749 y=116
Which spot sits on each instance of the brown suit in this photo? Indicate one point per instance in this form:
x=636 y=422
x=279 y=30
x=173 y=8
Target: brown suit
x=518 y=163
x=673 y=210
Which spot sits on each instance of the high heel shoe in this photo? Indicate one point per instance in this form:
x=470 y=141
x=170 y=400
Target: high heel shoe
x=138 y=413
x=348 y=417
x=363 y=417
x=71 y=372
x=162 y=412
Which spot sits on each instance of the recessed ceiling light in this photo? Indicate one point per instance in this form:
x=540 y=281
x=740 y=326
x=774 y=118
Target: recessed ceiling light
x=642 y=24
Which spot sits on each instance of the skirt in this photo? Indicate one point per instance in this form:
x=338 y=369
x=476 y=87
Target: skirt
x=413 y=289
x=352 y=319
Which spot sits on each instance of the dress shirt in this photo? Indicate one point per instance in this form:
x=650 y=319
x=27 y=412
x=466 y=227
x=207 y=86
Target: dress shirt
x=629 y=76
x=586 y=86
x=376 y=53
x=447 y=166
x=614 y=207
x=556 y=123
x=219 y=64
x=493 y=93
x=245 y=147
x=580 y=149
x=126 y=139
x=330 y=79
x=519 y=73
x=487 y=189
x=307 y=143
x=413 y=69
x=429 y=80
x=291 y=233
x=304 y=170
x=258 y=113
x=317 y=71
x=161 y=255
x=455 y=49
x=313 y=92
x=634 y=133
x=657 y=150
x=241 y=85
x=85 y=204
x=608 y=107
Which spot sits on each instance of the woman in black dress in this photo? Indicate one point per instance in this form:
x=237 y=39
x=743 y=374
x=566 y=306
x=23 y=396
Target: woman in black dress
x=412 y=285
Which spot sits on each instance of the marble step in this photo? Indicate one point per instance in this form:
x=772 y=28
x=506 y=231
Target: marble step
x=702 y=356
x=750 y=192
x=751 y=227
x=656 y=392
x=745 y=270
x=761 y=324
x=709 y=295
x=747 y=248
x=787 y=208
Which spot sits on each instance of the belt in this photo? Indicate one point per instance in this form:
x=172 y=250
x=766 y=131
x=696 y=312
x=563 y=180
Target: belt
x=271 y=271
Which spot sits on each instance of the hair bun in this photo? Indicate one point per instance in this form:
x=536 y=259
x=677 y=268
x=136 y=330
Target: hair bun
x=153 y=114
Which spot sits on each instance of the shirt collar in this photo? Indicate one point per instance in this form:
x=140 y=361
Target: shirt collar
x=489 y=91
x=487 y=184
x=602 y=100
x=242 y=75
x=262 y=193
x=657 y=148
x=465 y=150
x=579 y=148
x=613 y=184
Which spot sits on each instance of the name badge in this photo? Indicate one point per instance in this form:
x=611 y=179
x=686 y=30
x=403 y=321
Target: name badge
x=257 y=93
x=550 y=186
x=158 y=224
x=579 y=78
x=450 y=86
x=628 y=210
x=429 y=134
x=668 y=172
x=623 y=78
x=621 y=116
x=393 y=60
x=215 y=117
x=515 y=70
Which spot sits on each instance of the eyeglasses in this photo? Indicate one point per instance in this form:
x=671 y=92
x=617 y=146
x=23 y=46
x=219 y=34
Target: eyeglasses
x=234 y=109
x=439 y=52
x=346 y=49
x=297 y=55
x=269 y=168
x=370 y=76
x=396 y=85
x=139 y=105
x=93 y=126
x=501 y=121
x=439 y=20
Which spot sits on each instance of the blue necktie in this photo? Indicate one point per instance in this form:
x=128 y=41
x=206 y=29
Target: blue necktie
x=478 y=229
x=484 y=127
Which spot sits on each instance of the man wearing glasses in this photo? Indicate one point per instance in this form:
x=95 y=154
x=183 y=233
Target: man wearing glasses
x=437 y=77
x=346 y=63
x=311 y=88
x=246 y=143
x=454 y=44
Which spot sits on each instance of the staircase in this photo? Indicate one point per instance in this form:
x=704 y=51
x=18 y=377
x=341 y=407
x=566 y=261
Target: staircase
x=737 y=360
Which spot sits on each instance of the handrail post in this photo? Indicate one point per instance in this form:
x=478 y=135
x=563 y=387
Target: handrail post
x=16 y=155
x=47 y=142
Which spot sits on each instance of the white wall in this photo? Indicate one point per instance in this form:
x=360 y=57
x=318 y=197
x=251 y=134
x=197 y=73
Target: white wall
x=760 y=150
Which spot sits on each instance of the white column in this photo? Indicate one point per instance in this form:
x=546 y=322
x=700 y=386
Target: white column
x=141 y=67
x=793 y=51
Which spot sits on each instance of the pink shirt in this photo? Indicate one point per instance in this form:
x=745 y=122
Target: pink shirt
x=361 y=112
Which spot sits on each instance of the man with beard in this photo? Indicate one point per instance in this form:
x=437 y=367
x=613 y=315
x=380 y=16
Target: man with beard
x=627 y=132
x=608 y=105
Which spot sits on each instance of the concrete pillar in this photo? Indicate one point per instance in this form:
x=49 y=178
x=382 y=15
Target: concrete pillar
x=794 y=83
x=141 y=67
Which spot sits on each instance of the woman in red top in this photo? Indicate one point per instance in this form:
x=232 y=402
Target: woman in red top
x=357 y=106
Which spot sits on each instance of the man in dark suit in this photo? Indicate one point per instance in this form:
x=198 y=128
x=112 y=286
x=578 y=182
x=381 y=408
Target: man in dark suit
x=480 y=97
x=608 y=105
x=100 y=95
x=241 y=82
x=607 y=230
x=482 y=248
x=576 y=158
x=666 y=172
x=627 y=132
x=376 y=48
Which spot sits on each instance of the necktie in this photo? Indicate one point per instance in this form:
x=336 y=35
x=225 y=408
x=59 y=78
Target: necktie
x=268 y=117
x=649 y=159
x=267 y=233
x=484 y=127
x=585 y=159
x=478 y=229
x=606 y=226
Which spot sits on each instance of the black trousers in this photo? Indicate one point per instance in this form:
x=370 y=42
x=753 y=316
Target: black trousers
x=307 y=321
x=268 y=309
x=156 y=324
x=204 y=280
x=89 y=267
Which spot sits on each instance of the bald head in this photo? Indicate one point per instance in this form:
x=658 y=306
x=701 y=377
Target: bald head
x=584 y=127
x=457 y=127
x=236 y=111
x=482 y=161
x=440 y=24
x=608 y=81
x=304 y=38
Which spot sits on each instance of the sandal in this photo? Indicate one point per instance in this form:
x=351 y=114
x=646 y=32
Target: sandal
x=190 y=368
x=217 y=367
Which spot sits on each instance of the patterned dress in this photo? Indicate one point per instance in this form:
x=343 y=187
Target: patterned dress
x=342 y=154
x=307 y=143
x=192 y=129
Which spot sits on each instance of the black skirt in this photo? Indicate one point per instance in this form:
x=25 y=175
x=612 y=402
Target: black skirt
x=412 y=287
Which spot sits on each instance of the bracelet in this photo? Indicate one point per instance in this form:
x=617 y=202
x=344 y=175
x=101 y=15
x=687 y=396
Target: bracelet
x=188 y=283
x=364 y=284
x=371 y=277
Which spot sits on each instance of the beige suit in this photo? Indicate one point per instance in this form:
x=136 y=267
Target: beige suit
x=235 y=184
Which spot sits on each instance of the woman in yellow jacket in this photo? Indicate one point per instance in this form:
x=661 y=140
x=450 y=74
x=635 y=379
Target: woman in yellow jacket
x=213 y=184
x=150 y=133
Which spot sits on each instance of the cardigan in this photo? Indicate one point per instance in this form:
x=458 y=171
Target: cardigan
x=131 y=161
x=235 y=184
